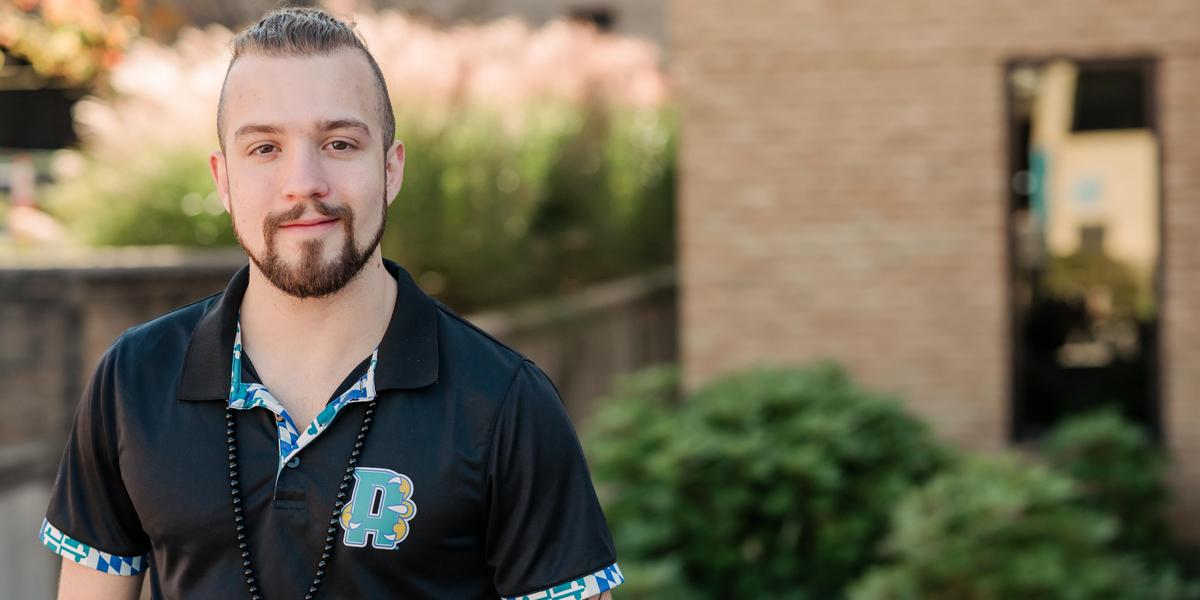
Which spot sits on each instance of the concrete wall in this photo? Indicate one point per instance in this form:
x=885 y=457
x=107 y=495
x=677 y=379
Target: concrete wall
x=844 y=193
x=58 y=313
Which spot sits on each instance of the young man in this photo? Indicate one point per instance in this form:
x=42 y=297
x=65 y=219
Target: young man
x=378 y=446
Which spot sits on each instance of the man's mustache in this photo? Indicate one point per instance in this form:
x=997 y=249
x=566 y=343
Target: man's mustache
x=274 y=221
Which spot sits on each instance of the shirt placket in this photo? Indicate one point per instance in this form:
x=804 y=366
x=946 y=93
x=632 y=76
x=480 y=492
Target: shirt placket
x=245 y=396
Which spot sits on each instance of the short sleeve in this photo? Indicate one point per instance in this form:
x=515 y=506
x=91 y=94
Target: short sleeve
x=546 y=533
x=91 y=519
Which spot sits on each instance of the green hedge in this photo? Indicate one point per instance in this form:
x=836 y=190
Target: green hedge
x=1003 y=527
x=1121 y=472
x=771 y=483
x=795 y=483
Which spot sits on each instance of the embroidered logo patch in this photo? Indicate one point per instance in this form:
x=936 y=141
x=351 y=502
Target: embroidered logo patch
x=380 y=507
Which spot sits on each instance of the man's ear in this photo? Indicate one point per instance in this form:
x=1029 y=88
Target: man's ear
x=220 y=175
x=393 y=170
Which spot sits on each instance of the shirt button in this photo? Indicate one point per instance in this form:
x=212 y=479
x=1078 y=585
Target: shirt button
x=295 y=462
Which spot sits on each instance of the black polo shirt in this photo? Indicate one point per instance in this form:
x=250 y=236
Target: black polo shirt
x=471 y=484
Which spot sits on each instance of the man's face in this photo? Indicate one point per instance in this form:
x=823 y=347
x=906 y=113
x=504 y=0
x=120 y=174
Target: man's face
x=303 y=174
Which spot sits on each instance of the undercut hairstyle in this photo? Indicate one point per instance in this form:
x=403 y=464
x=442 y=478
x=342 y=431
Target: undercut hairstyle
x=297 y=31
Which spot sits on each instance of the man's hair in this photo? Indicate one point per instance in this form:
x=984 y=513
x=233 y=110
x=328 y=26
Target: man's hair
x=296 y=31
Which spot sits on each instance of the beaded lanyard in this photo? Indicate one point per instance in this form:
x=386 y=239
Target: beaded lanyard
x=239 y=519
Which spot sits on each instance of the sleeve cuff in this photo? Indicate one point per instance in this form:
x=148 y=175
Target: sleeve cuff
x=584 y=587
x=68 y=547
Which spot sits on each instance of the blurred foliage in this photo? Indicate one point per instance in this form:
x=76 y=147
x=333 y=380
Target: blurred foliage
x=700 y=492
x=75 y=41
x=160 y=197
x=795 y=483
x=1002 y=527
x=1072 y=277
x=575 y=196
x=489 y=212
x=1120 y=472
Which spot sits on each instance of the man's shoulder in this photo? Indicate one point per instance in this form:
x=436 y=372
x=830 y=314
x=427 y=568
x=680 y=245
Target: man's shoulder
x=488 y=373
x=474 y=352
x=165 y=334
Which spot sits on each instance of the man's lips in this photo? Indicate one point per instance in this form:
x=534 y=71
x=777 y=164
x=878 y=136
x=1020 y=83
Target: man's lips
x=309 y=223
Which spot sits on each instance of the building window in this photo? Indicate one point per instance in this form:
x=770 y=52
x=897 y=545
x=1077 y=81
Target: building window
x=1110 y=97
x=1084 y=242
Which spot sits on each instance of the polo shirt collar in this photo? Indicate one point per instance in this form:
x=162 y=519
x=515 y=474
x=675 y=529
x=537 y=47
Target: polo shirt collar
x=408 y=353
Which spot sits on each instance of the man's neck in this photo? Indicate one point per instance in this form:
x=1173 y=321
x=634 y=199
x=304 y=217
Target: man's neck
x=351 y=320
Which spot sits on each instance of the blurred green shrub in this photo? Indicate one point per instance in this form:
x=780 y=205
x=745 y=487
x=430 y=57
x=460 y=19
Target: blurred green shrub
x=163 y=196
x=1120 y=472
x=490 y=212
x=1002 y=527
x=576 y=195
x=769 y=483
x=778 y=483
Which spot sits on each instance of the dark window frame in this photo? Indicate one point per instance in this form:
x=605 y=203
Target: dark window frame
x=1019 y=431
x=1085 y=116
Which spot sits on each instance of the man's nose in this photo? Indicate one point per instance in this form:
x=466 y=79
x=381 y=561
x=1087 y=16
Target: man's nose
x=304 y=175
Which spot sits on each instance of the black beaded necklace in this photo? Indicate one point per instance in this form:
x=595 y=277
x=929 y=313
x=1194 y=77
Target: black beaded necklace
x=239 y=519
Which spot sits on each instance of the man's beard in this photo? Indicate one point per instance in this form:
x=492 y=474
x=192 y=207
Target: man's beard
x=312 y=278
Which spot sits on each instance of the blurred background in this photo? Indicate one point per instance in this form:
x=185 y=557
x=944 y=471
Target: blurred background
x=870 y=300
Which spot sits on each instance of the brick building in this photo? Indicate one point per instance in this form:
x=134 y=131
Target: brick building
x=855 y=181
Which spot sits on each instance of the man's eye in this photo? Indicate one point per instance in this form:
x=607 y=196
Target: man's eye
x=344 y=145
x=257 y=150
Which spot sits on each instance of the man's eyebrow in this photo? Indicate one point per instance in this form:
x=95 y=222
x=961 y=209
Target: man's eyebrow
x=255 y=128
x=331 y=124
x=323 y=125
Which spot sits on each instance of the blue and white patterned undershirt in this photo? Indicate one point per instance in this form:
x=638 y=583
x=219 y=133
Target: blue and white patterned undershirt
x=291 y=440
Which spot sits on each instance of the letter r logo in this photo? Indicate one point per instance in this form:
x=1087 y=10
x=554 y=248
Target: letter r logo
x=380 y=505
